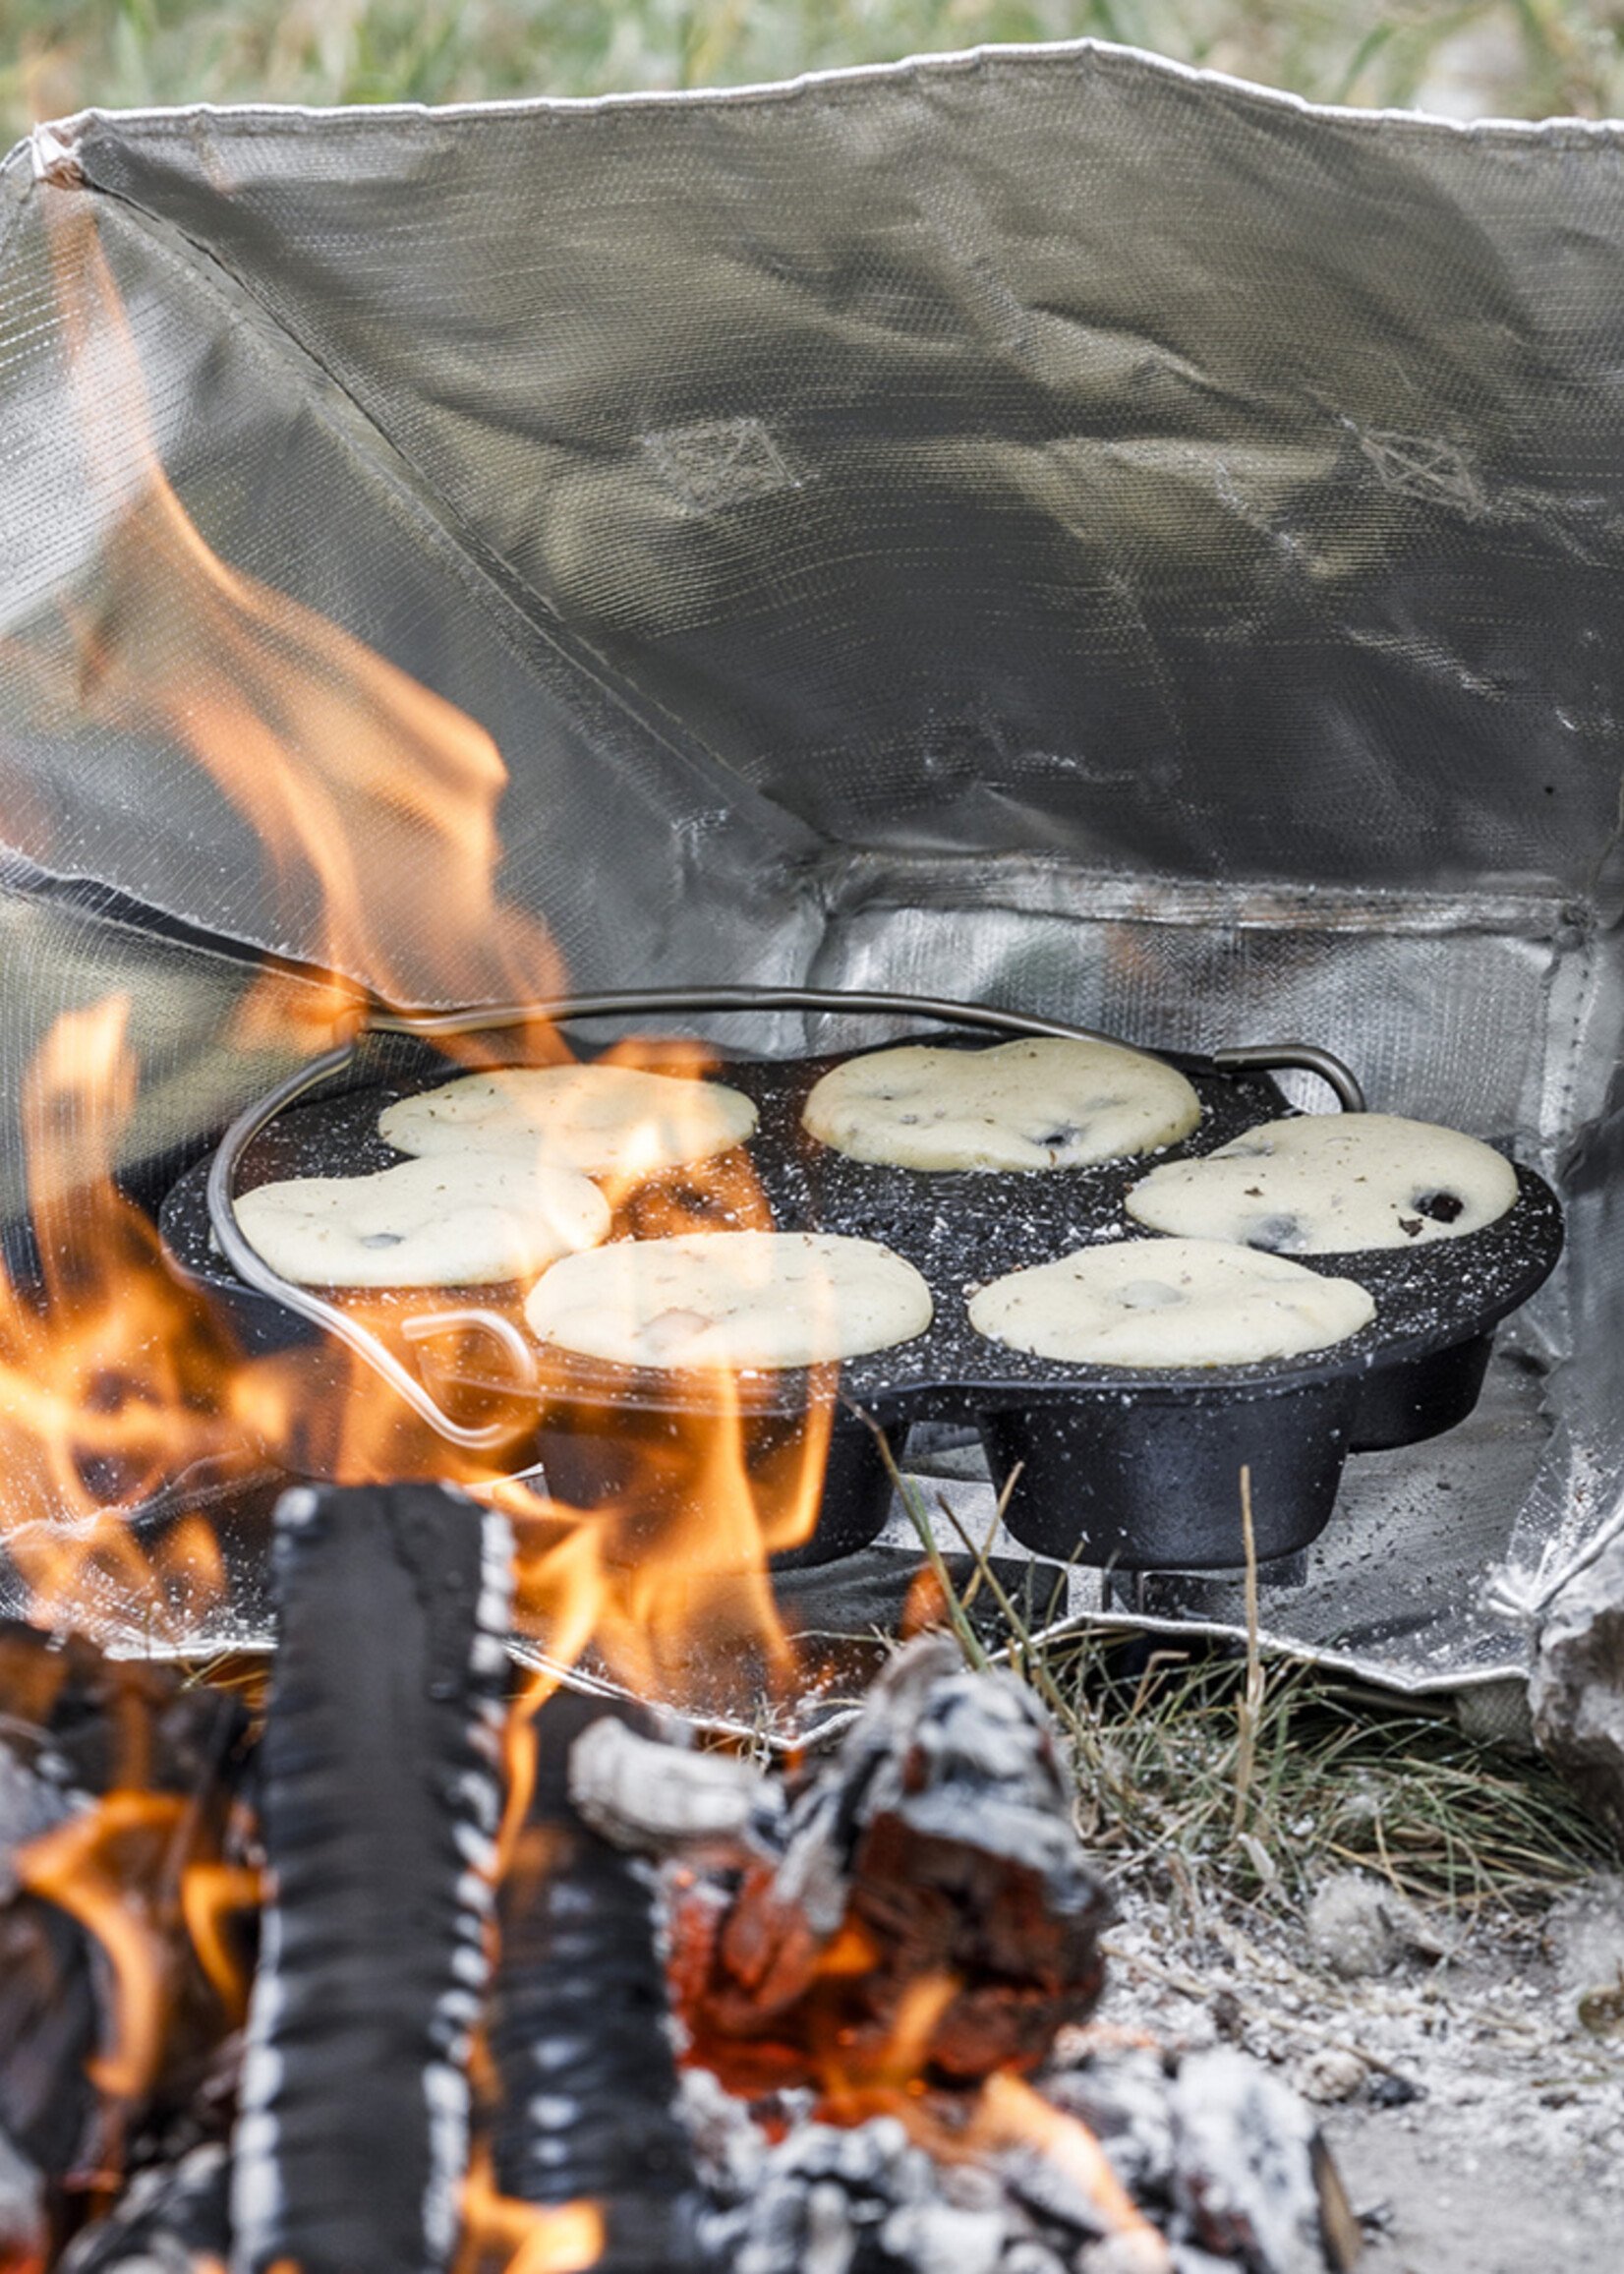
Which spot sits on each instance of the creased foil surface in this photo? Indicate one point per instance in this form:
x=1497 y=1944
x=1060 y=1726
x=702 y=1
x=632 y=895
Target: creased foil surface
x=1044 y=525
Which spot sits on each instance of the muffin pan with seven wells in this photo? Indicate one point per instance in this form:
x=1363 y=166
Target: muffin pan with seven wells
x=1135 y=1465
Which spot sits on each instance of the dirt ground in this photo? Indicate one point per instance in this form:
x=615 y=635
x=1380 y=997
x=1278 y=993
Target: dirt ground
x=1474 y=2097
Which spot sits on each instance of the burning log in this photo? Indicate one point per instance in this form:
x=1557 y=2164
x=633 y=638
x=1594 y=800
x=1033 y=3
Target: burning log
x=884 y=1951
x=929 y=1893
x=1249 y=2171
x=173 y=2216
x=1222 y=2155
x=22 y=2228
x=919 y=1926
x=1227 y=2155
x=116 y=1785
x=579 y=2030
x=381 y=1796
x=50 y=2023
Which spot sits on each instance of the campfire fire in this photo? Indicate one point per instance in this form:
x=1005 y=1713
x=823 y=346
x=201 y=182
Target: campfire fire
x=366 y=1972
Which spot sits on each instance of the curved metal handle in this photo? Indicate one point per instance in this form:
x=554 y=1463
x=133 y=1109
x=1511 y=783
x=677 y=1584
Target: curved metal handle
x=250 y=1266
x=564 y=1008
x=1307 y=1056
x=428 y=1323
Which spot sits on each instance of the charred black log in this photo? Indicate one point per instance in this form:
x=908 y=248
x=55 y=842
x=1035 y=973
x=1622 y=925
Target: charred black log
x=75 y=1727
x=50 y=2021
x=379 y=1800
x=79 y=1722
x=579 y=2030
x=24 y=2231
x=172 y=2219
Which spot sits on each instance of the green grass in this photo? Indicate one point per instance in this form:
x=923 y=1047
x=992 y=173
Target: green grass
x=1513 y=57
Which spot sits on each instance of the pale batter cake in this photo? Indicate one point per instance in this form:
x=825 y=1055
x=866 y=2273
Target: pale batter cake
x=742 y=1300
x=1330 y=1184
x=466 y=1219
x=1044 y=1103
x=1169 y=1303
x=617 y=1121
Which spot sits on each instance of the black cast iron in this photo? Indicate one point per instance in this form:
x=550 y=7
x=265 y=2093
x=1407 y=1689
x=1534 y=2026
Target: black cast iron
x=578 y=2028
x=379 y=1800
x=1134 y=1469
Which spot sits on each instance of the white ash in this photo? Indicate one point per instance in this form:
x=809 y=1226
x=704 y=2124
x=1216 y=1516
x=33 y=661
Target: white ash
x=866 y=2200
x=649 y=1796
x=1584 y=1938
x=1358 y=1925
x=1485 y=2109
x=1243 y=2164
x=1218 y=2152
x=1125 y=2104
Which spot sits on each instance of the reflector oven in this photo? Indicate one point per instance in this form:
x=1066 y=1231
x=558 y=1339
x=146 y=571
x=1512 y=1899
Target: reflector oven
x=1097 y=1466
x=1047 y=530
x=1040 y=541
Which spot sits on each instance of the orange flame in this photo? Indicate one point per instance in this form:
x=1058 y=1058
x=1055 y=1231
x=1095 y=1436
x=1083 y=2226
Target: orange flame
x=1009 y=2114
x=515 y=2238
x=210 y=1894
x=93 y=1867
x=1000 y=2116
x=374 y=800
x=109 y=1375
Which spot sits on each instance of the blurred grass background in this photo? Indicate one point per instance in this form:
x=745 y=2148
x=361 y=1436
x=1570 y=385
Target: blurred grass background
x=1505 y=58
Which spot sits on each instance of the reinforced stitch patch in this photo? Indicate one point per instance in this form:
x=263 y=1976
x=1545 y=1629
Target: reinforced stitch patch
x=719 y=462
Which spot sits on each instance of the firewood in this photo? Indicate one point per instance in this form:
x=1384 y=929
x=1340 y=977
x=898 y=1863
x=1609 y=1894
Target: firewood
x=23 y=2233
x=171 y=2217
x=578 y=2030
x=1249 y=2171
x=381 y=1800
x=50 y=2021
x=653 y=1798
x=933 y=1856
x=112 y=1776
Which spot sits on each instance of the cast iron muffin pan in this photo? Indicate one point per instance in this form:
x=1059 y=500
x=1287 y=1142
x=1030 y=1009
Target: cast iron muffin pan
x=1134 y=1469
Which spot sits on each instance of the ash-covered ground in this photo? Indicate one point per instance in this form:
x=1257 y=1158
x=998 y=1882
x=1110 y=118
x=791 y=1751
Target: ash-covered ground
x=1470 y=2079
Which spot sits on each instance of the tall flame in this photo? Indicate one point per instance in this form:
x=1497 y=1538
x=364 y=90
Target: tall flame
x=376 y=803
x=372 y=799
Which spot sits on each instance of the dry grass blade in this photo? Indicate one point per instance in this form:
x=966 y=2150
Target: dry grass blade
x=1214 y=1779
x=955 y=1605
x=1250 y=1705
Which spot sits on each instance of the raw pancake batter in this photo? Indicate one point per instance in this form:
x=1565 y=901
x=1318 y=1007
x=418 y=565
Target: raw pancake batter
x=463 y=1220
x=602 y=1120
x=1330 y=1184
x=1047 y=1103
x=1174 y=1303
x=730 y=1299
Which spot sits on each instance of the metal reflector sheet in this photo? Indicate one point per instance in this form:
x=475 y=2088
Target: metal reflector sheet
x=1044 y=526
